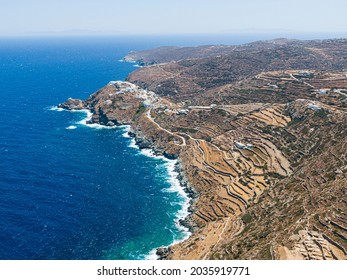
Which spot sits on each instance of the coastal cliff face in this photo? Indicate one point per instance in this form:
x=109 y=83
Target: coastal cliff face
x=260 y=132
x=123 y=103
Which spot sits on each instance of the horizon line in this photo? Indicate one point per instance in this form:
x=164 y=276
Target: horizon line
x=96 y=34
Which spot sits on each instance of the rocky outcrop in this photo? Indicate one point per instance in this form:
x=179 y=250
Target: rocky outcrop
x=163 y=253
x=72 y=104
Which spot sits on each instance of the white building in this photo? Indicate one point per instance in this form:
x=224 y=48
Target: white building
x=182 y=112
x=240 y=145
x=243 y=146
x=313 y=107
x=108 y=102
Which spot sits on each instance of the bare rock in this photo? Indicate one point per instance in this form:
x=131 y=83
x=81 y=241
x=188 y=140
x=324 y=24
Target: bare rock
x=72 y=104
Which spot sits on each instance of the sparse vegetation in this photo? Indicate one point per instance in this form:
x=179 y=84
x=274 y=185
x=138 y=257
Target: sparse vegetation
x=322 y=113
x=187 y=129
x=141 y=109
x=294 y=165
x=246 y=218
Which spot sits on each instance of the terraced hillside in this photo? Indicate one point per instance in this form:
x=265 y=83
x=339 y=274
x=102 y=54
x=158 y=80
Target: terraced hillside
x=244 y=111
x=243 y=162
x=260 y=133
x=303 y=215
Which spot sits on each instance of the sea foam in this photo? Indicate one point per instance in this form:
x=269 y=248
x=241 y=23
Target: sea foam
x=170 y=165
x=126 y=129
x=152 y=255
x=88 y=118
x=132 y=144
x=55 y=108
x=71 y=127
x=175 y=186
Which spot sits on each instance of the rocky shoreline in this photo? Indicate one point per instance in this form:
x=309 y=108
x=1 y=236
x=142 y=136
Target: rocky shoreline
x=142 y=142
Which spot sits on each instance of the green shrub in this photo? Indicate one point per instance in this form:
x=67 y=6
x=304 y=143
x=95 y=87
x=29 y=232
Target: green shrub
x=141 y=109
x=246 y=218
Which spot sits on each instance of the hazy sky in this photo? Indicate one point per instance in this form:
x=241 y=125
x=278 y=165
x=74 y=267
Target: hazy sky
x=21 y=17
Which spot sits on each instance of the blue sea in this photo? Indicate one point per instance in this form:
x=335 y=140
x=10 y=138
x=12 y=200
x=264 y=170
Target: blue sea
x=71 y=191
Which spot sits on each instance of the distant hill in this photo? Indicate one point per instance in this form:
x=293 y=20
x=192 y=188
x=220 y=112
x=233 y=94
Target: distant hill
x=188 y=72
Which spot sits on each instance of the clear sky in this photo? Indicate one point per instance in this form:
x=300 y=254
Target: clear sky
x=25 y=17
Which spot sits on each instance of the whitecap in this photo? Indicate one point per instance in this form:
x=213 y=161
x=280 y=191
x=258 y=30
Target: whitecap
x=71 y=127
x=55 y=108
x=133 y=144
x=175 y=186
x=87 y=118
x=84 y=121
x=148 y=153
x=126 y=129
x=99 y=126
x=152 y=255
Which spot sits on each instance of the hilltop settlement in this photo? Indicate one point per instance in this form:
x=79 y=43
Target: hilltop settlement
x=260 y=134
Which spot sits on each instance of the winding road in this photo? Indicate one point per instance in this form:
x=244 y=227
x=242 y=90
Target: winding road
x=148 y=115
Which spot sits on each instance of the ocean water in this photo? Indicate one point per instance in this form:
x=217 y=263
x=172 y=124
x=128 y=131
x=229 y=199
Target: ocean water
x=71 y=191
